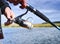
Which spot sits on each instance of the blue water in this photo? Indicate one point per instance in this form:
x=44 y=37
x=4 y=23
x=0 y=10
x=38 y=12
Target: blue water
x=34 y=36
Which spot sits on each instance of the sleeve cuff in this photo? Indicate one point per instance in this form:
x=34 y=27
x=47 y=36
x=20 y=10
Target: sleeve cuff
x=3 y=8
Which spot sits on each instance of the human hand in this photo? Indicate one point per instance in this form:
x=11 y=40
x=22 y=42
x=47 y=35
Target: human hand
x=9 y=15
x=16 y=2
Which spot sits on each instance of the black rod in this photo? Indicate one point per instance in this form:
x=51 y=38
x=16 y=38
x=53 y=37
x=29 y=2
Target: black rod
x=40 y=15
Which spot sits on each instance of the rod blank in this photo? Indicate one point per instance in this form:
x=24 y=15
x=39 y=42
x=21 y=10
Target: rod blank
x=40 y=15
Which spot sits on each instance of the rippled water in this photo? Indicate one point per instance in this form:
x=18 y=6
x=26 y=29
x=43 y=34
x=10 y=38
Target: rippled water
x=34 y=36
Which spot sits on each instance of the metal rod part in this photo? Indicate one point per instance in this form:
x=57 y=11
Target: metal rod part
x=42 y=16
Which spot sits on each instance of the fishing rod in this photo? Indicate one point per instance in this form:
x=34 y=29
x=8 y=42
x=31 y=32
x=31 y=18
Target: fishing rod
x=21 y=22
x=40 y=15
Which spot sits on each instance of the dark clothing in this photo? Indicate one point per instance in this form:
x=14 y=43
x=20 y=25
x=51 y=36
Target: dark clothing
x=1 y=32
x=3 y=5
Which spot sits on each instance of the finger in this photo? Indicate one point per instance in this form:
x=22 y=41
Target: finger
x=7 y=23
x=15 y=2
x=23 y=3
x=12 y=15
x=7 y=12
x=8 y=16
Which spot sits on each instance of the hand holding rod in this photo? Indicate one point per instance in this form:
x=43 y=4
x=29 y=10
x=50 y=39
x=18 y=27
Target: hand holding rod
x=18 y=20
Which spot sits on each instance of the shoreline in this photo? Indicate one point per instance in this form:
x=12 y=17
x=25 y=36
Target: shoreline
x=34 y=25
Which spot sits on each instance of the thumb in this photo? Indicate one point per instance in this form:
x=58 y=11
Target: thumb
x=8 y=17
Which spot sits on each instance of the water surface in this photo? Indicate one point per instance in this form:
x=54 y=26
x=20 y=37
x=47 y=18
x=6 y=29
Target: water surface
x=34 y=36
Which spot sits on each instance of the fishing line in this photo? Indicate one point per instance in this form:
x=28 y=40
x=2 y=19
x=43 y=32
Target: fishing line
x=30 y=18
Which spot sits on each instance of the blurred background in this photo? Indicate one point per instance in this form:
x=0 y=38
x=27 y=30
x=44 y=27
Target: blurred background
x=40 y=35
